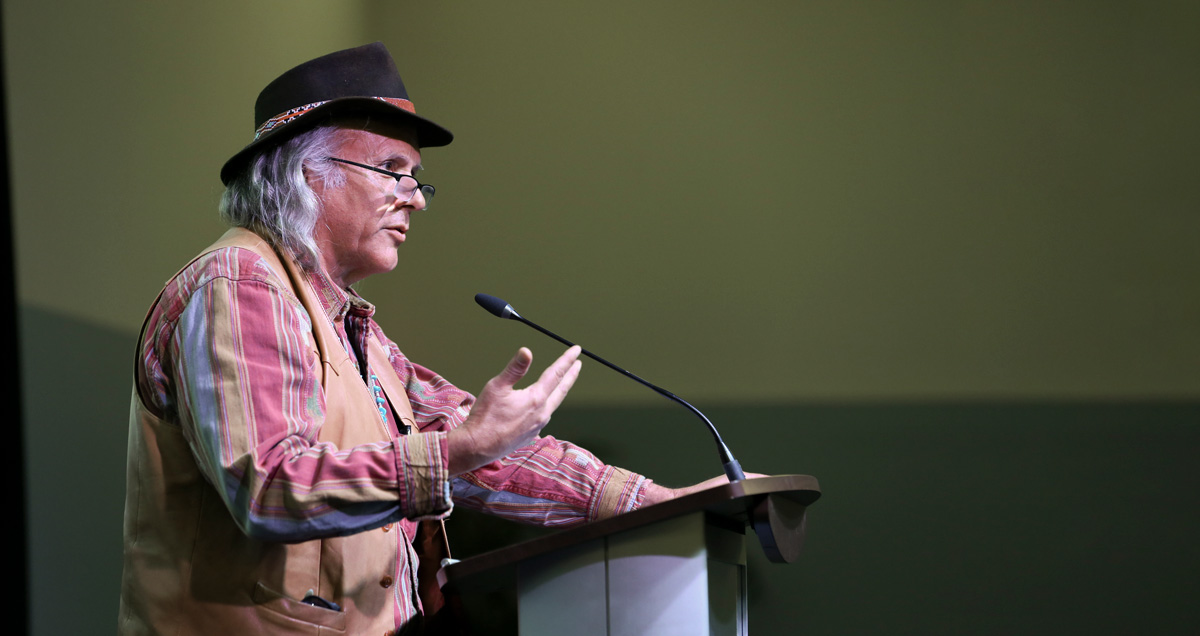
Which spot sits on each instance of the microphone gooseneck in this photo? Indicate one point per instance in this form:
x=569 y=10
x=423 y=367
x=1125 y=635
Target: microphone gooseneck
x=501 y=309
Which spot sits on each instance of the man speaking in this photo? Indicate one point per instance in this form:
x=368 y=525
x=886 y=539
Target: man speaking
x=287 y=463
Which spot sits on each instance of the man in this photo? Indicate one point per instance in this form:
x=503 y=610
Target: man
x=282 y=450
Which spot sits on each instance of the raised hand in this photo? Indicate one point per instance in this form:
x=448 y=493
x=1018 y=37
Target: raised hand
x=505 y=418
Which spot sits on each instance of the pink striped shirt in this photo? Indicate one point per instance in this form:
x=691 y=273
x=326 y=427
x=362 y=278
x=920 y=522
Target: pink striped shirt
x=225 y=327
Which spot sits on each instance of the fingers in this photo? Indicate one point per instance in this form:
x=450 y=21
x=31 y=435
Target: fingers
x=504 y=418
x=545 y=395
x=558 y=378
x=555 y=373
x=559 y=393
x=516 y=369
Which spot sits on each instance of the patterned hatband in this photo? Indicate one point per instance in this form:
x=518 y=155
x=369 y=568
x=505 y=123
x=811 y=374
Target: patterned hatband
x=293 y=113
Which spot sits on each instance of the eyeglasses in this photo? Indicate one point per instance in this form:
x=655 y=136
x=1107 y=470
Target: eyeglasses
x=406 y=185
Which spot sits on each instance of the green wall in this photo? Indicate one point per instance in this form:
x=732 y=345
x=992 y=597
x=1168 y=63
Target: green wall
x=944 y=250
x=830 y=201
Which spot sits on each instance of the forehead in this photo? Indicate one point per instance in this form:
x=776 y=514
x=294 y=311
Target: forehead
x=375 y=143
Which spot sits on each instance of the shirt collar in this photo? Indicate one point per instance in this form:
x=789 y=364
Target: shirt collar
x=338 y=302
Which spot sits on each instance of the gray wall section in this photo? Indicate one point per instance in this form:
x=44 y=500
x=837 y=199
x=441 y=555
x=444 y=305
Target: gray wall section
x=936 y=519
x=76 y=387
x=946 y=518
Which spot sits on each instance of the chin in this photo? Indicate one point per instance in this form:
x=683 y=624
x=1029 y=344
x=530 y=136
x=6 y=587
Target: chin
x=386 y=262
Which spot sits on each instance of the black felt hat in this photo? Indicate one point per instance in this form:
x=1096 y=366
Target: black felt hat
x=355 y=82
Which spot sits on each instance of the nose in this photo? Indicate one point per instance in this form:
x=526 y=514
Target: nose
x=417 y=200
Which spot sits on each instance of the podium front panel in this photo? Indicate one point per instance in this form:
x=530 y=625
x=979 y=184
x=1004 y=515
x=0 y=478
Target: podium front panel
x=680 y=577
x=564 y=592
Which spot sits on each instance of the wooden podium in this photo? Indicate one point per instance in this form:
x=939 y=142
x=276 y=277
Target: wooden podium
x=678 y=567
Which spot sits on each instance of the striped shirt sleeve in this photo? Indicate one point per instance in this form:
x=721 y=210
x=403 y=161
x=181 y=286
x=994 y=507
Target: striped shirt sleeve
x=549 y=482
x=246 y=390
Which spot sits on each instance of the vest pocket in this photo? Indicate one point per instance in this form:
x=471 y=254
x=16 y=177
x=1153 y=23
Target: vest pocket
x=293 y=611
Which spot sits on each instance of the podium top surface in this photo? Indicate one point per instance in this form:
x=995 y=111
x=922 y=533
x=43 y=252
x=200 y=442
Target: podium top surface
x=729 y=501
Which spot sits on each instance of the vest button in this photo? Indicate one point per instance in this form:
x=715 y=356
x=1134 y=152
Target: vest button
x=385 y=582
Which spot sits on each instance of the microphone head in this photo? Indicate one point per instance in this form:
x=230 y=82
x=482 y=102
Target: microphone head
x=497 y=307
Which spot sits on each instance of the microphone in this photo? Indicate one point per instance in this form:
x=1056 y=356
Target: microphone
x=498 y=307
x=501 y=309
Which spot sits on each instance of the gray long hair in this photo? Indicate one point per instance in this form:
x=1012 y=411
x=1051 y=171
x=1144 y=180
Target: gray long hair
x=272 y=198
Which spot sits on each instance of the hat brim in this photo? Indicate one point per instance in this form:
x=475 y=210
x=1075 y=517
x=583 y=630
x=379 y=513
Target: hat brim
x=428 y=133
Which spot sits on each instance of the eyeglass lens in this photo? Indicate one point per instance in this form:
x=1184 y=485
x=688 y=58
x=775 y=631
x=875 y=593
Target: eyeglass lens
x=406 y=189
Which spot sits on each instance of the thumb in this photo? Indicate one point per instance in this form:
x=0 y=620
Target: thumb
x=516 y=369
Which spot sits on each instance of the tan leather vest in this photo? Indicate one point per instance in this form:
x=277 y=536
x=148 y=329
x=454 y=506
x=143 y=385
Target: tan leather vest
x=190 y=570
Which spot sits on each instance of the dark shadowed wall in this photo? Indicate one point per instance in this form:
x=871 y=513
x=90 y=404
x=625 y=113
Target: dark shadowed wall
x=940 y=255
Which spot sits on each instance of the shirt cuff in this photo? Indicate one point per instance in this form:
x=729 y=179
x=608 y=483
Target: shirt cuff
x=618 y=491
x=423 y=475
